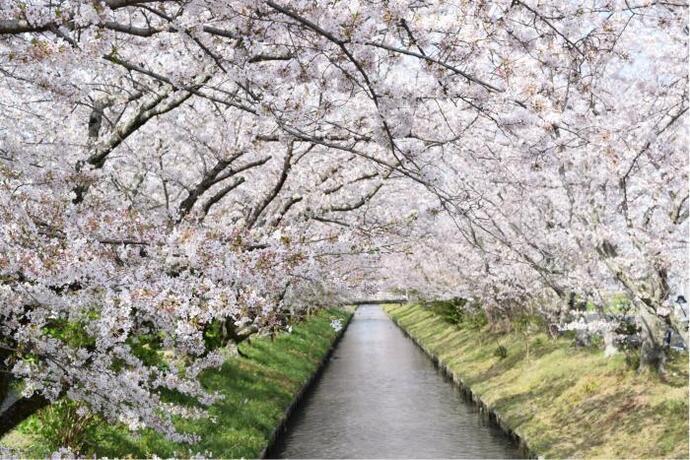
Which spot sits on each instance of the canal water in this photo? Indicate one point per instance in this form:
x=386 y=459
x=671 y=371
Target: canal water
x=380 y=396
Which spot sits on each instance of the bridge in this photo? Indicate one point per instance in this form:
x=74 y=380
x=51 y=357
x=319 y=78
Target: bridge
x=374 y=301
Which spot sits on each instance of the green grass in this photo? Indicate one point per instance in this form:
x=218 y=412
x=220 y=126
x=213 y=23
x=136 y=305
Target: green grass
x=257 y=390
x=562 y=400
x=617 y=303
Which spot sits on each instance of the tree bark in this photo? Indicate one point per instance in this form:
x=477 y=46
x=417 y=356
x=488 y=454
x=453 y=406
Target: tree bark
x=20 y=411
x=653 y=349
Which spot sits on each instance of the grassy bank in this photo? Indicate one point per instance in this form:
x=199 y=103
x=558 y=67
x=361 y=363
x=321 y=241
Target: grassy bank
x=257 y=390
x=561 y=400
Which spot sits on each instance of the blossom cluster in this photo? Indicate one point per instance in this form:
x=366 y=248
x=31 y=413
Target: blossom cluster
x=178 y=176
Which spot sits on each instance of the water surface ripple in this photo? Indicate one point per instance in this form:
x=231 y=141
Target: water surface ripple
x=380 y=396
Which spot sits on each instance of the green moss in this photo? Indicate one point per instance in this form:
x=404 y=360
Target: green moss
x=564 y=401
x=256 y=392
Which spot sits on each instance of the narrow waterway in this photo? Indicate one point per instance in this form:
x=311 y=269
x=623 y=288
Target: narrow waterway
x=382 y=397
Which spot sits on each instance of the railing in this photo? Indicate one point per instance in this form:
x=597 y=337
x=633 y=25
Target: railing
x=374 y=301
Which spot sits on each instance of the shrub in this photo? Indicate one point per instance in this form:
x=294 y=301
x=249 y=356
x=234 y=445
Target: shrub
x=501 y=352
x=632 y=359
x=449 y=310
x=64 y=423
x=628 y=334
x=459 y=311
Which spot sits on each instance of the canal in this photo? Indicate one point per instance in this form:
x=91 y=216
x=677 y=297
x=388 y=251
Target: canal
x=380 y=396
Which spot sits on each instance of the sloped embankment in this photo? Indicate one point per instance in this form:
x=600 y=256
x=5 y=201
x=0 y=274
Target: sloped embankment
x=561 y=401
x=258 y=390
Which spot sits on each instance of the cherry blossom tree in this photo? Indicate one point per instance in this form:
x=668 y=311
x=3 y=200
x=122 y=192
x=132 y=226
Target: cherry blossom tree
x=179 y=175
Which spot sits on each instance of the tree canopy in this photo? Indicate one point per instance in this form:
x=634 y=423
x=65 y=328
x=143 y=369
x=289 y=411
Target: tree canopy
x=178 y=175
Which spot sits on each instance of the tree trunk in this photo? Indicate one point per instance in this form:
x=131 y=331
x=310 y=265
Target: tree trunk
x=20 y=411
x=653 y=349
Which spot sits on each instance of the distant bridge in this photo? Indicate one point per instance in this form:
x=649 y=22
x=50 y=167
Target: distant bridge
x=374 y=301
